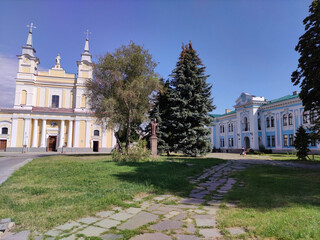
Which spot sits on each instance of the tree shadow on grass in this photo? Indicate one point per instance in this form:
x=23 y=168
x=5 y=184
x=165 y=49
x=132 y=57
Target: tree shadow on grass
x=167 y=176
x=268 y=187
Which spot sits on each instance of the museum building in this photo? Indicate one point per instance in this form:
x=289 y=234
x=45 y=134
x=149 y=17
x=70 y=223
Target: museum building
x=51 y=111
x=256 y=121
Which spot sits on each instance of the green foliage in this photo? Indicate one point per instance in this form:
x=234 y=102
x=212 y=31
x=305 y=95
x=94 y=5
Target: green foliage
x=301 y=143
x=262 y=148
x=190 y=103
x=138 y=152
x=308 y=71
x=121 y=86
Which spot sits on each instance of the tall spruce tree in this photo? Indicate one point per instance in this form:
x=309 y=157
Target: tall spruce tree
x=308 y=71
x=190 y=104
x=301 y=143
x=161 y=112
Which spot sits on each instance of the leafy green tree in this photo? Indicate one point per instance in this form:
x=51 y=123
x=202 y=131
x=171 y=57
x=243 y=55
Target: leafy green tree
x=161 y=112
x=121 y=87
x=190 y=103
x=301 y=143
x=308 y=71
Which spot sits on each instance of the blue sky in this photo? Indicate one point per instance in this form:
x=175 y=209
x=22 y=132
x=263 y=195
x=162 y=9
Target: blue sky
x=246 y=45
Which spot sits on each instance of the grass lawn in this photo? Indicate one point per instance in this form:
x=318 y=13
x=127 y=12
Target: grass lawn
x=292 y=157
x=52 y=190
x=275 y=203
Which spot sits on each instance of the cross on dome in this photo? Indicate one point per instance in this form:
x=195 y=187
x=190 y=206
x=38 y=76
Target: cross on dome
x=31 y=26
x=87 y=33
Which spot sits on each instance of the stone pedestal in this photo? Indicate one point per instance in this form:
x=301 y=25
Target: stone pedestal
x=154 y=145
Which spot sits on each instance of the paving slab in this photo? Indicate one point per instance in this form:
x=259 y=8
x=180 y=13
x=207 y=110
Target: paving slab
x=153 y=236
x=71 y=237
x=111 y=236
x=166 y=225
x=210 y=232
x=180 y=217
x=121 y=216
x=206 y=222
x=105 y=214
x=186 y=237
x=190 y=228
x=68 y=226
x=133 y=210
x=108 y=223
x=89 y=220
x=139 y=220
x=192 y=201
x=17 y=236
x=53 y=233
x=92 y=231
x=236 y=230
x=153 y=207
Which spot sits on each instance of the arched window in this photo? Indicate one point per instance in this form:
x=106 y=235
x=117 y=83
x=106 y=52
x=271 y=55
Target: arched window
x=285 y=120
x=55 y=101
x=272 y=121
x=245 y=124
x=4 y=130
x=96 y=133
x=83 y=101
x=305 y=117
x=290 y=119
x=23 y=97
x=268 y=122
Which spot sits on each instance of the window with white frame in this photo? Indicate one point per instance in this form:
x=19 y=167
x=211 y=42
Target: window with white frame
x=285 y=120
x=96 y=133
x=290 y=119
x=268 y=122
x=285 y=140
x=272 y=121
x=4 y=131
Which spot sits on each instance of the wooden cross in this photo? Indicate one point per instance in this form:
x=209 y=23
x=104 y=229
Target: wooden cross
x=31 y=26
x=87 y=33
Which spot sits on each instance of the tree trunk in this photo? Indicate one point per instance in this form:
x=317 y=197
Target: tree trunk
x=128 y=135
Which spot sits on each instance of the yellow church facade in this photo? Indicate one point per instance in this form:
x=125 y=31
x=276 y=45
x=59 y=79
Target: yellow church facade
x=51 y=111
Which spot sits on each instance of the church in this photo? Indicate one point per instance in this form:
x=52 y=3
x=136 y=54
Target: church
x=256 y=121
x=51 y=111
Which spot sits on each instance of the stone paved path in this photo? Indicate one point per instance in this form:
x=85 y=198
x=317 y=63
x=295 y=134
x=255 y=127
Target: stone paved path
x=163 y=217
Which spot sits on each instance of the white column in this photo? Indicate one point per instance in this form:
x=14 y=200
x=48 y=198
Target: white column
x=26 y=131
x=14 y=132
x=43 y=133
x=76 y=133
x=88 y=135
x=69 y=144
x=35 y=133
x=103 y=136
x=113 y=144
x=61 y=136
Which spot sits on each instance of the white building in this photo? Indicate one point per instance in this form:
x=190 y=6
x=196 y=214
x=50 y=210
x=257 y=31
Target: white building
x=257 y=121
x=51 y=111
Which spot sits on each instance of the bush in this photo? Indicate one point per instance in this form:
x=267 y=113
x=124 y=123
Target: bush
x=262 y=148
x=138 y=152
x=214 y=149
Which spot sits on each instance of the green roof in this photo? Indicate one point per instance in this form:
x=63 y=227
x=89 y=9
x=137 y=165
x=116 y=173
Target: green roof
x=221 y=115
x=282 y=99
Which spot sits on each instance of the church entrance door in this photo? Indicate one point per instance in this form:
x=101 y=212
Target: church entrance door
x=96 y=146
x=247 y=142
x=3 y=145
x=52 y=144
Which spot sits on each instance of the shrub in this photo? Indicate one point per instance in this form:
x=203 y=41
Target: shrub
x=214 y=149
x=262 y=148
x=138 y=152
